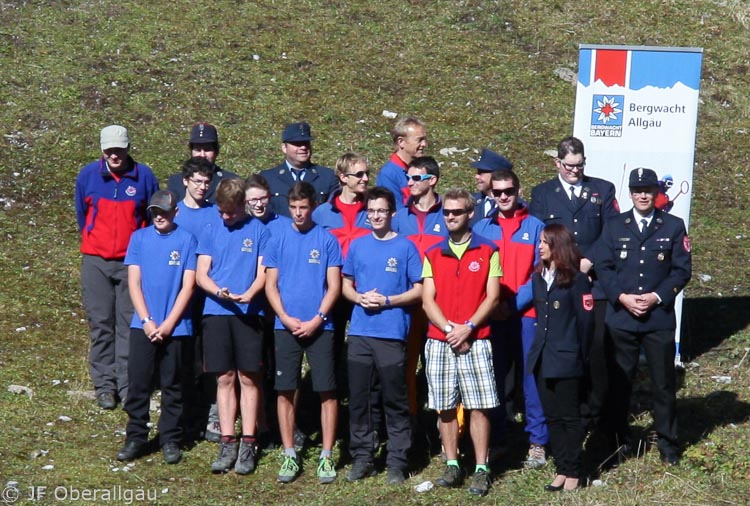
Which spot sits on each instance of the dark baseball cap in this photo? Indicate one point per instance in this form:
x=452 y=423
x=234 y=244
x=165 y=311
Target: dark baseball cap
x=164 y=200
x=204 y=133
x=489 y=161
x=297 y=132
x=643 y=178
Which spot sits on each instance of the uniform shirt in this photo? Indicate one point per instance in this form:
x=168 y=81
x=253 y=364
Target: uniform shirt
x=303 y=260
x=392 y=175
x=235 y=252
x=163 y=260
x=632 y=262
x=194 y=220
x=423 y=232
x=392 y=267
x=344 y=229
x=280 y=180
x=110 y=207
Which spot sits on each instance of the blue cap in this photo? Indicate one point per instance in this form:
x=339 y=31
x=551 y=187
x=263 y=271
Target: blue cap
x=204 y=133
x=642 y=178
x=297 y=132
x=489 y=161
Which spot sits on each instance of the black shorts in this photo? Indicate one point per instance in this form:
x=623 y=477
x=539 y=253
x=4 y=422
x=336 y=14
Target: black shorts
x=319 y=351
x=232 y=343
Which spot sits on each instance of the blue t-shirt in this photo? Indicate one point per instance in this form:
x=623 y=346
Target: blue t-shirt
x=195 y=220
x=163 y=259
x=391 y=266
x=235 y=253
x=303 y=260
x=276 y=222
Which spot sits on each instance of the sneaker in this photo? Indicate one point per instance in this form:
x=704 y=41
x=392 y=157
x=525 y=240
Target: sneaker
x=171 y=452
x=360 y=469
x=326 y=470
x=300 y=440
x=452 y=477
x=480 y=483
x=246 y=458
x=106 y=400
x=131 y=450
x=536 y=458
x=213 y=432
x=289 y=470
x=226 y=459
x=395 y=476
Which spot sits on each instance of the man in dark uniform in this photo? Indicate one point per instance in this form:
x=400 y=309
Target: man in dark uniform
x=583 y=204
x=488 y=162
x=296 y=144
x=643 y=262
x=204 y=143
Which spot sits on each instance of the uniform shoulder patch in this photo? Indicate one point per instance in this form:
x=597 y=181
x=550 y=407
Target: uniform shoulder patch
x=686 y=243
x=588 y=302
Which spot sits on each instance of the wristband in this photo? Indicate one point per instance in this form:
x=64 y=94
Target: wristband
x=322 y=316
x=470 y=324
x=146 y=320
x=387 y=301
x=218 y=293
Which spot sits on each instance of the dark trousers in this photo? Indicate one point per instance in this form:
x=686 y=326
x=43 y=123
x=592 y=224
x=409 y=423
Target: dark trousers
x=369 y=357
x=659 y=346
x=598 y=371
x=561 y=403
x=172 y=358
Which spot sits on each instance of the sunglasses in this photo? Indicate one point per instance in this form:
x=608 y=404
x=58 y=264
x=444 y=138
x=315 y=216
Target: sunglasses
x=419 y=177
x=359 y=175
x=510 y=192
x=570 y=166
x=455 y=212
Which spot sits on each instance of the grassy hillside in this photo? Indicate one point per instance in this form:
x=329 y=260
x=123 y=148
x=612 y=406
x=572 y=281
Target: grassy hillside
x=481 y=73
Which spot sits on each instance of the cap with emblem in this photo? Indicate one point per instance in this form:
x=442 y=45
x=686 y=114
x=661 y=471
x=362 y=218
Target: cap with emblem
x=297 y=132
x=114 y=136
x=643 y=178
x=489 y=161
x=204 y=133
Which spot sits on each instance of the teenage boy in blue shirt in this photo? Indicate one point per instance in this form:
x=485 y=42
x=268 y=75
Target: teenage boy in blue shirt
x=161 y=278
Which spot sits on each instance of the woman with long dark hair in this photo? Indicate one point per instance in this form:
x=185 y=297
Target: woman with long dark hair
x=565 y=323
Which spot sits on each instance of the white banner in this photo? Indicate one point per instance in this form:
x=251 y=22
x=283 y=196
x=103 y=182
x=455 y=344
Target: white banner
x=638 y=107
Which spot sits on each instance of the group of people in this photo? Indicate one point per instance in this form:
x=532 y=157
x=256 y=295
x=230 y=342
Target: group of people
x=222 y=285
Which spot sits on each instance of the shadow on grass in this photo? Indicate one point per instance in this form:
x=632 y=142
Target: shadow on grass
x=708 y=321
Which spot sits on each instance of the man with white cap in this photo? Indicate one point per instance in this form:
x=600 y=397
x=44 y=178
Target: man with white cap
x=111 y=196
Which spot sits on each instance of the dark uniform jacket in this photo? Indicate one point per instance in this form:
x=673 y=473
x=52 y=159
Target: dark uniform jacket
x=629 y=262
x=280 y=180
x=565 y=327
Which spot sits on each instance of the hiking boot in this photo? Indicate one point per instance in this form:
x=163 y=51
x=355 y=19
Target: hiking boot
x=536 y=458
x=395 y=476
x=289 y=470
x=213 y=432
x=326 y=470
x=227 y=457
x=106 y=400
x=360 y=469
x=131 y=450
x=246 y=458
x=171 y=452
x=480 y=483
x=452 y=477
x=300 y=440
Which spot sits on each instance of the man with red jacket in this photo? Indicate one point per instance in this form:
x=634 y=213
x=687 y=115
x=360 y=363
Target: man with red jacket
x=516 y=234
x=111 y=197
x=460 y=291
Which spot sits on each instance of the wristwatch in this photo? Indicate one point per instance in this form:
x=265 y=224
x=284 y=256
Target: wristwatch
x=323 y=316
x=448 y=328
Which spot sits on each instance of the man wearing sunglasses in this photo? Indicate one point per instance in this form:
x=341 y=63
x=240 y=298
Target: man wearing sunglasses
x=516 y=234
x=461 y=288
x=488 y=163
x=583 y=204
x=203 y=143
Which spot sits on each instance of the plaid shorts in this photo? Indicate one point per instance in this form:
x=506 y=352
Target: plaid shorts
x=468 y=378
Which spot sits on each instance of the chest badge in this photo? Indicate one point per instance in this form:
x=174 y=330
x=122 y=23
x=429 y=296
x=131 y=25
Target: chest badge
x=556 y=304
x=660 y=257
x=474 y=266
x=623 y=254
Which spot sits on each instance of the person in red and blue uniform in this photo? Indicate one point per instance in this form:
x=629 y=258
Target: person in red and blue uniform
x=583 y=204
x=488 y=163
x=516 y=234
x=644 y=262
x=111 y=196
x=296 y=144
x=410 y=141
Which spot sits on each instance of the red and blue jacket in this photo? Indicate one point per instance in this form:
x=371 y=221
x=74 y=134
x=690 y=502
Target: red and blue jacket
x=424 y=234
x=330 y=217
x=392 y=175
x=111 y=207
x=460 y=283
x=517 y=240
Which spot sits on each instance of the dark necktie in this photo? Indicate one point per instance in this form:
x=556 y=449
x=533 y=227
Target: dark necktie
x=644 y=226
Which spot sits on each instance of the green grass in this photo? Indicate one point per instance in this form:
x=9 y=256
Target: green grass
x=481 y=73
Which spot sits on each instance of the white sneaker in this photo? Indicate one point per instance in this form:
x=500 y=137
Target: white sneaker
x=537 y=457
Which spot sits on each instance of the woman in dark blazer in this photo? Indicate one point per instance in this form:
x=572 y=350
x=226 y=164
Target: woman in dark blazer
x=565 y=324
